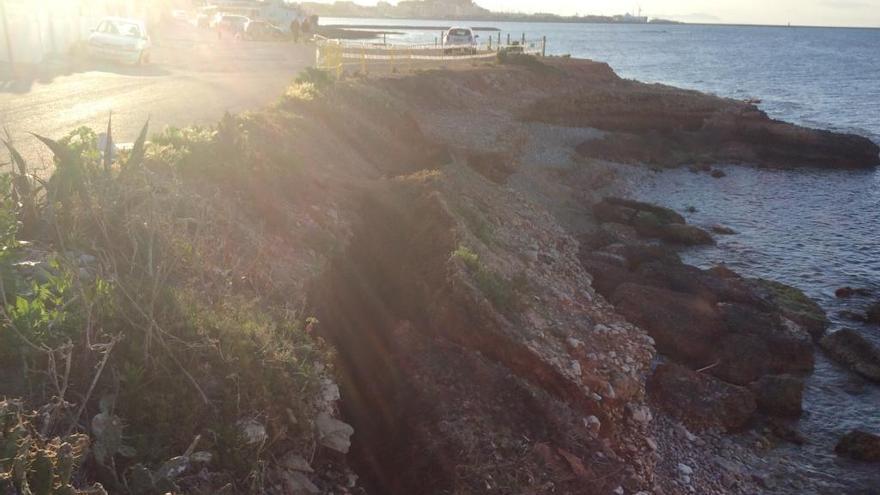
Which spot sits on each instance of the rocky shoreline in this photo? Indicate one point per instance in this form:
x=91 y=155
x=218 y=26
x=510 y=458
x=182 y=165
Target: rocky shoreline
x=445 y=299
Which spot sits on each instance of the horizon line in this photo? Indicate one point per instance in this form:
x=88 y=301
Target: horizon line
x=569 y=19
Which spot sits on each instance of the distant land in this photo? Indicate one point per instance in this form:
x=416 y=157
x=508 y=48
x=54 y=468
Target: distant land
x=460 y=9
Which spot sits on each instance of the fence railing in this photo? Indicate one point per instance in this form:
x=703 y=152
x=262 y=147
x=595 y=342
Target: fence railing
x=336 y=54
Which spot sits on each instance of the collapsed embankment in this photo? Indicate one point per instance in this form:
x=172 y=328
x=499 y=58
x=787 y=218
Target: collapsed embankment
x=434 y=225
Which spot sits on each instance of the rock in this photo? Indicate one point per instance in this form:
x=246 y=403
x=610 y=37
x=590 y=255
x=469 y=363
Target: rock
x=665 y=215
x=649 y=224
x=779 y=395
x=684 y=327
x=741 y=358
x=794 y=305
x=640 y=414
x=638 y=254
x=297 y=483
x=722 y=271
x=689 y=279
x=854 y=351
x=846 y=292
x=494 y=166
x=718 y=174
x=620 y=233
x=671 y=128
x=786 y=432
x=333 y=434
x=687 y=235
x=173 y=468
x=685 y=470
x=593 y=424
x=700 y=400
x=722 y=230
x=201 y=457
x=252 y=431
x=853 y=316
x=859 y=445
x=873 y=313
x=607 y=277
x=609 y=258
x=789 y=349
x=605 y=211
x=294 y=462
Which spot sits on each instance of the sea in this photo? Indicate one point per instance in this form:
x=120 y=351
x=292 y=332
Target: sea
x=814 y=229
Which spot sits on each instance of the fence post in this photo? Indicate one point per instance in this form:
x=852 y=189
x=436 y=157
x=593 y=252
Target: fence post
x=524 y=39
x=508 y=39
x=544 y=46
x=4 y=23
x=490 y=42
x=364 y=58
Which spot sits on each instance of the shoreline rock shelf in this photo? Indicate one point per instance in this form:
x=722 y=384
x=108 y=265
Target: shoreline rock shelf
x=749 y=333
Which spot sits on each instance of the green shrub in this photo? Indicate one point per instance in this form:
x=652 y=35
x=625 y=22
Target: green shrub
x=145 y=335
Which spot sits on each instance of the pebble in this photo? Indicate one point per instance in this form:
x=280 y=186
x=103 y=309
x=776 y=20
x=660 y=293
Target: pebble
x=684 y=469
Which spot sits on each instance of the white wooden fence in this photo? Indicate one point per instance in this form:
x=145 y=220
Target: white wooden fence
x=337 y=54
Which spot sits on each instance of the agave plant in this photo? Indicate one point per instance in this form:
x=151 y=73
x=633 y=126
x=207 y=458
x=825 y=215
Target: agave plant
x=26 y=188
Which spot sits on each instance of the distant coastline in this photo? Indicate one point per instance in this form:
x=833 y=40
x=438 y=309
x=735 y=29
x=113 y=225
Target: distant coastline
x=462 y=10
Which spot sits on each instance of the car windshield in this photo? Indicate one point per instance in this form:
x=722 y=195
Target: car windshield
x=121 y=28
x=129 y=29
x=459 y=32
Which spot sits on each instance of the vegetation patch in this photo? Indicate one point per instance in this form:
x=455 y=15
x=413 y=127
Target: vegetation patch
x=124 y=327
x=505 y=295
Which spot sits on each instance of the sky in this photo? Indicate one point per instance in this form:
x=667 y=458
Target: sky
x=796 y=12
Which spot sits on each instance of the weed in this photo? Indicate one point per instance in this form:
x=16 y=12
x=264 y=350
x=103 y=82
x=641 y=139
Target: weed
x=505 y=295
x=478 y=225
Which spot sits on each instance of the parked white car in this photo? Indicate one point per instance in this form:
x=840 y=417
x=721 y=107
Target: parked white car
x=460 y=39
x=121 y=40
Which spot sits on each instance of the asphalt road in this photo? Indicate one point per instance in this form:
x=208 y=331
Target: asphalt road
x=192 y=80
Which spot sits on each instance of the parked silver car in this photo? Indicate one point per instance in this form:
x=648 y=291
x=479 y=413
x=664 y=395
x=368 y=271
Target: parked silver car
x=121 y=40
x=460 y=40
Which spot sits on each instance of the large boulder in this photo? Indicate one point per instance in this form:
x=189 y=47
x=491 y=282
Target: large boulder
x=779 y=395
x=794 y=305
x=652 y=225
x=790 y=347
x=638 y=254
x=741 y=358
x=706 y=284
x=700 y=400
x=666 y=215
x=607 y=276
x=650 y=221
x=854 y=351
x=687 y=235
x=859 y=445
x=684 y=327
